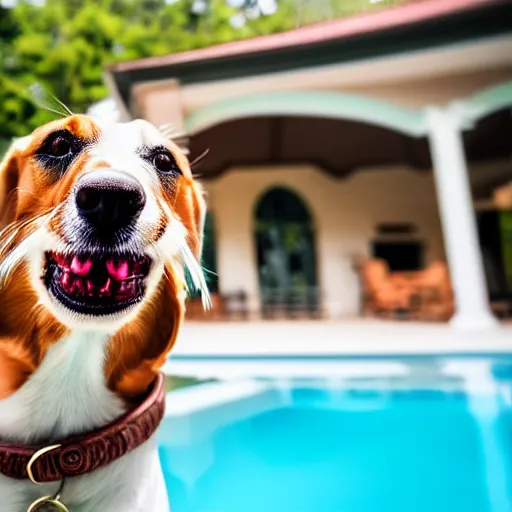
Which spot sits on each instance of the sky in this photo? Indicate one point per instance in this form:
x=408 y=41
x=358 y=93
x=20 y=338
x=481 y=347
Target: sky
x=13 y=3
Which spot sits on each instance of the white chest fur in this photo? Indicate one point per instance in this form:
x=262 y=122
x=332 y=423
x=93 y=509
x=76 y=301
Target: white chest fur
x=67 y=395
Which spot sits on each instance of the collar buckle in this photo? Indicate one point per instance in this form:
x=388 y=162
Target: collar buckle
x=33 y=459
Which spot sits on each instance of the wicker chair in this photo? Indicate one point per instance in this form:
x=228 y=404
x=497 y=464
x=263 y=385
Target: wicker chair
x=382 y=294
x=435 y=293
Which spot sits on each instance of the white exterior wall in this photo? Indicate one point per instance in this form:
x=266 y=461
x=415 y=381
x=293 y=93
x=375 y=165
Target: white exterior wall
x=345 y=212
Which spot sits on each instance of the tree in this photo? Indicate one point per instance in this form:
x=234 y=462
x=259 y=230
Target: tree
x=15 y=109
x=64 y=45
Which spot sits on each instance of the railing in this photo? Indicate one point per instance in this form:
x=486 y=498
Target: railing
x=304 y=302
x=291 y=302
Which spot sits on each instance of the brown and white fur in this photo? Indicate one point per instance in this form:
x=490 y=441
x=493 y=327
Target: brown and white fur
x=63 y=371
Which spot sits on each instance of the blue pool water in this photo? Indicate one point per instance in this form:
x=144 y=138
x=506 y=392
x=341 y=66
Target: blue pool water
x=381 y=447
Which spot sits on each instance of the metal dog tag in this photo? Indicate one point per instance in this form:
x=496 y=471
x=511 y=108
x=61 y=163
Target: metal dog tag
x=48 y=504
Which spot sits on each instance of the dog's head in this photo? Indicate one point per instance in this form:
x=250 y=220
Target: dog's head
x=99 y=221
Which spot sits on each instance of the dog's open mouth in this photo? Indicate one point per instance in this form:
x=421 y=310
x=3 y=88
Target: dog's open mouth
x=96 y=285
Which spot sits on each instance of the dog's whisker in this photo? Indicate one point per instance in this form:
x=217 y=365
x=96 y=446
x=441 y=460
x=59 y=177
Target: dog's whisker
x=181 y=142
x=50 y=109
x=55 y=211
x=14 y=257
x=169 y=130
x=14 y=230
x=62 y=104
x=199 y=159
x=177 y=135
x=174 y=244
x=40 y=96
x=24 y=191
x=197 y=275
x=10 y=259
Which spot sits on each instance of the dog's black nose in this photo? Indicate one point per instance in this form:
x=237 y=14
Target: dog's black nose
x=109 y=200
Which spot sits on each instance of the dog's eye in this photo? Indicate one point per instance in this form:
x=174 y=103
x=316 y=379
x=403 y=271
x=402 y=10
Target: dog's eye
x=59 y=150
x=165 y=163
x=60 y=146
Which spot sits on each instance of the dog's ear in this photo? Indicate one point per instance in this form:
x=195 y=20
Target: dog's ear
x=191 y=208
x=9 y=179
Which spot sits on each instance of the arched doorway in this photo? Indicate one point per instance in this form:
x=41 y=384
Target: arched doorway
x=285 y=242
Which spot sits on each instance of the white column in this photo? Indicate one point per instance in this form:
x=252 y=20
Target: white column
x=472 y=309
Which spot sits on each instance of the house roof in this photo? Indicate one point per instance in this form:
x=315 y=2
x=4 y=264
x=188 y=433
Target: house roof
x=416 y=25
x=414 y=12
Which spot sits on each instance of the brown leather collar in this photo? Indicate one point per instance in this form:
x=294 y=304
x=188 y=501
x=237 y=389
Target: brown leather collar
x=82 y=454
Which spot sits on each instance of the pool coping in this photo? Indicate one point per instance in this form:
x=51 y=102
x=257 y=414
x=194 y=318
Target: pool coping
x=228 y=349
x=334 y=368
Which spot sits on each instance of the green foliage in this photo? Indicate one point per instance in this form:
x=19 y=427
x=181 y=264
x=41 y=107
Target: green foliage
x=173 y=383
x=64 y=45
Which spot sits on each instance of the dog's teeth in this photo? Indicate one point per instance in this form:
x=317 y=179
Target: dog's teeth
x=72 y=285
x=80 y=268
x=141 y=267
x=94 y=278
x=124 y=289
x=65 y=280
x=60 y=259
x=90 y=287
x=79 y=286
x=106 y=288
x=119 y=270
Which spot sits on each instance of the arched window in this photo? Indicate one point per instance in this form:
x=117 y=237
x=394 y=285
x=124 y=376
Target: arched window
x=285 y=242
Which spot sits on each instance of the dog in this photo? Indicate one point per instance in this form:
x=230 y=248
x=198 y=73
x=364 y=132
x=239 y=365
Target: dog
x=100 y=223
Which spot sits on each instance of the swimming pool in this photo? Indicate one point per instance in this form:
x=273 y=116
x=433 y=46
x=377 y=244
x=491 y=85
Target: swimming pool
x=410 y=435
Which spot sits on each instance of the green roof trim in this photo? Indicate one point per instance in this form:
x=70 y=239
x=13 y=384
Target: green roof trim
x=488 y=101
x=315 y=104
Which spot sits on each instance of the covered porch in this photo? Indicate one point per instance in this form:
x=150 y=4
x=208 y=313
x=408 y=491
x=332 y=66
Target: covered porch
x=326 y=150
x=312 y=184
